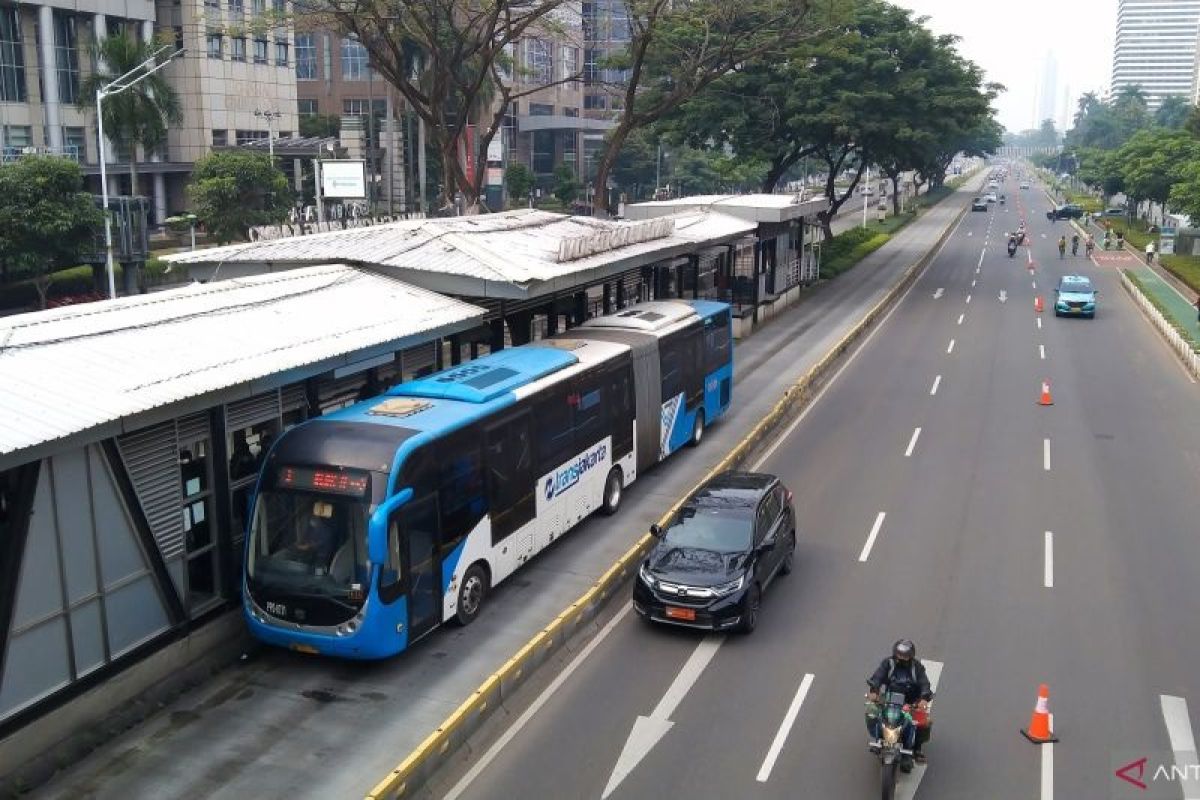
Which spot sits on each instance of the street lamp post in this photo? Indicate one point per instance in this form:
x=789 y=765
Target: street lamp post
x=117 y=86
x=270 y=116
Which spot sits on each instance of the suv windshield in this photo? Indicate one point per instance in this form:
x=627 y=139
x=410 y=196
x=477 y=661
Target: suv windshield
x=1079 y=287
x=311 y=543
x=723 y=530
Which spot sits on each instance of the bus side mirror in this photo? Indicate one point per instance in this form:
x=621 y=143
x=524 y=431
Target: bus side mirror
x=655 y=531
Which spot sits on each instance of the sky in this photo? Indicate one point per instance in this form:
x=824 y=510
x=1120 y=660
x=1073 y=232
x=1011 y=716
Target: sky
x=1010 y=39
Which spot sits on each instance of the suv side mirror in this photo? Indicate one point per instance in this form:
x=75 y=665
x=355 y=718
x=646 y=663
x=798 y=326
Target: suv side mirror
x=655 y=531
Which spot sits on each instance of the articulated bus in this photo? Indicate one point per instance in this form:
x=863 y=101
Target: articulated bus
x=372 y=525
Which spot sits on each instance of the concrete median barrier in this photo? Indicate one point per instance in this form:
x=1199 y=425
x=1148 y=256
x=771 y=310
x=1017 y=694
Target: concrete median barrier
x=407 y=778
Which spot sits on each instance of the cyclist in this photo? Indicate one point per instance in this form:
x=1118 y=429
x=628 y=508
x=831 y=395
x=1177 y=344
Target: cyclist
x=1062 y=246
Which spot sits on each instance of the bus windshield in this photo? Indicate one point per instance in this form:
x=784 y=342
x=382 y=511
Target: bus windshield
x=309 y=543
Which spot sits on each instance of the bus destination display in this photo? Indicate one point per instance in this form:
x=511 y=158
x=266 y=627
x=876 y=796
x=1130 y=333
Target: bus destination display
x=354 y=484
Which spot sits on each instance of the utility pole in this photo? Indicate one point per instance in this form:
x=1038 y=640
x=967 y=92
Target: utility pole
x=864 y=191
x=270 y=116
x=126 y=81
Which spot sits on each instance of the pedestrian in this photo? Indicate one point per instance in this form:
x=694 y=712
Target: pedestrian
x=1075 y=244
x=1120 y=240
x=1087 y=219
x=1089 y=244
x=1150 y=252
x=1062 y=246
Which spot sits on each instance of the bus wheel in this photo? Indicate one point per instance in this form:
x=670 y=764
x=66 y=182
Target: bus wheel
x=613 y=486
x=697 y=429
x=471 y=594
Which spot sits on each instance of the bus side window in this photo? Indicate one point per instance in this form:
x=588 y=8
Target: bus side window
x=390 y=585
x=671 y=356
x=716 y=342
x=462 y=495
x=622 y=413
x=510 y=475
x=591 y=411
x=555 y=429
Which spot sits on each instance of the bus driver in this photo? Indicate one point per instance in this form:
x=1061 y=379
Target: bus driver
x=318 y=539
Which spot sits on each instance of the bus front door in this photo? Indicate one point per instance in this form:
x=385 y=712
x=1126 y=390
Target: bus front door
x=422 y=568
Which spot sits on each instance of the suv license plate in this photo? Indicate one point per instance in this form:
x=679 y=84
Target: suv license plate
x=687 y=614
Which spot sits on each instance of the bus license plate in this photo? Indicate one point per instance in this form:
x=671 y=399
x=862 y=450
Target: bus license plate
x=686 y=614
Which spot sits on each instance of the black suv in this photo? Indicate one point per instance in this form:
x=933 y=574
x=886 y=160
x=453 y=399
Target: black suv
x=1068 y=211
x=710 y=565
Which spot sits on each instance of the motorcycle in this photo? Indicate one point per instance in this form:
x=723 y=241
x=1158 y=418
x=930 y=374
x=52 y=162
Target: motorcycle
x=1012 y=247
x=893 y=717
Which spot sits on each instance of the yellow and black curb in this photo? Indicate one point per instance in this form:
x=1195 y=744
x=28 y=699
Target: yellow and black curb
x=411 y=774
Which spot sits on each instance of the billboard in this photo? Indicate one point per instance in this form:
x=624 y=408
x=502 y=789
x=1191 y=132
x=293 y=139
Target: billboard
x=344 y=179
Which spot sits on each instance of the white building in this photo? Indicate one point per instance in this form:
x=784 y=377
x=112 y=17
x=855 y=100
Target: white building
x=1156 y=46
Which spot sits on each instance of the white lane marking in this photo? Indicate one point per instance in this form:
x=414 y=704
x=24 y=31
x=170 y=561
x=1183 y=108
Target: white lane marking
x=1179 y=729
x=960 y=318
x=1042 y=351
x=1048 y=766
x=647 y=731
x=1048 y=569
x=912 y=442
x=950 y=349
x=977 y=270
x=1046 y=454
x=936 y=383
x=937 y=293
x=968 y=298
x=981 y=252
x=907 y=788
x=972 y=283
x=1039 y=321
x=486 y=759
x=1034 y=284
x=804 y=414
x=866 y=551
x=785 y=727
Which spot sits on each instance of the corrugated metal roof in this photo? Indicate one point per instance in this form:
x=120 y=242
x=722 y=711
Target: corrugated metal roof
x=69 y=369
x=757 y=207
x=517 y=248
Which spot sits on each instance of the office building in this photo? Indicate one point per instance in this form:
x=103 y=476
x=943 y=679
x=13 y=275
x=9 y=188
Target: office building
x=1156 y=45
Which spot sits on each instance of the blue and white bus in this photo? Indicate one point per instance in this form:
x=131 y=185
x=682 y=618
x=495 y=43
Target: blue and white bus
x=372 y=525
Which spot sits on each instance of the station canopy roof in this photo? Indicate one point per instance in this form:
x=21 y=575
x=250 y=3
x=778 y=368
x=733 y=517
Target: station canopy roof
x=752 y=207
x=515 y=254
x=71 y=369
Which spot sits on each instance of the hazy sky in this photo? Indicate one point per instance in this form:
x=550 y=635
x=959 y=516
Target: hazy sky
x=1010 y=39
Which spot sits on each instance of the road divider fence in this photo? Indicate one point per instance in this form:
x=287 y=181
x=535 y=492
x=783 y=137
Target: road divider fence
x=405 y=780
x=1180 y=344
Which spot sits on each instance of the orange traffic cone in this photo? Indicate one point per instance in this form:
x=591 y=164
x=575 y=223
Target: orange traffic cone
x=1045 y=400
x=1037 y=304
x=1039 y=723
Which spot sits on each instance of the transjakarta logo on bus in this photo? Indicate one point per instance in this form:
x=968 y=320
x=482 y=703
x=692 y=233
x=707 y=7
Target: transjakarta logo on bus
x=569 y=475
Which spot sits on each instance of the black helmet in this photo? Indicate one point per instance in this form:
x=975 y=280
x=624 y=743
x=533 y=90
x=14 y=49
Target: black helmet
x=904 y=650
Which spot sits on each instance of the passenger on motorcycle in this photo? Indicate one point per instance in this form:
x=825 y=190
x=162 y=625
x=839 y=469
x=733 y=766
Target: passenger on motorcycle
x=902 y=672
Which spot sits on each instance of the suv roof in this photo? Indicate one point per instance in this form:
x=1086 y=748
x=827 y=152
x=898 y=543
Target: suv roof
x=733 y=488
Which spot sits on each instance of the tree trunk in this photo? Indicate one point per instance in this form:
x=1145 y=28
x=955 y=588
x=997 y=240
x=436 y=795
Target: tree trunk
x=604 y=167
x=895 y=193
x=133 y=176
x=42 y=284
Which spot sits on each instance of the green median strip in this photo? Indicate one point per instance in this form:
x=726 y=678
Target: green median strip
x=1174 y=308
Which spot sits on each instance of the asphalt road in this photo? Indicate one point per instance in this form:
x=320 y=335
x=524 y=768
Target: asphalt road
x=1016 y=543
x=283 y=725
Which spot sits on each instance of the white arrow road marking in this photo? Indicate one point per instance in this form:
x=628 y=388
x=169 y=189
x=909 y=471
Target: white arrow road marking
x=866 y=551
x=936 y=383
x=487 y=758
x=789 y=719
x=906 y=789
x=647 y=731
x=1003 y=296
x=968 y=233
x=938 y=292
x=1179 y=729
x=1048 y=569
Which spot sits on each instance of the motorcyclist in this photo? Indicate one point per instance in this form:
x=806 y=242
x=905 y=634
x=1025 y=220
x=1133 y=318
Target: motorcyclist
x=1012 y=244
x=902 y=672
x=1021 y=233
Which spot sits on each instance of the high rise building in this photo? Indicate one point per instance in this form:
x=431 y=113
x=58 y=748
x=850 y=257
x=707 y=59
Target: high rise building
x=1048 y=104
x=1156 y=47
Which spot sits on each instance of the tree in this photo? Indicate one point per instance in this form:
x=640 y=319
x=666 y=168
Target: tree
x=1152 y=161
x=1185 y=192
x=453 y=64
x=46 y=219
x=677 y=49
x=520 y=181
x=1173 y=113
x=566 y=185
x=233 y=190
x=320 y=125
x=140 y=114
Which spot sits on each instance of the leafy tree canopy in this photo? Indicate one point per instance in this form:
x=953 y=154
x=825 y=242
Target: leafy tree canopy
x=233 y=190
